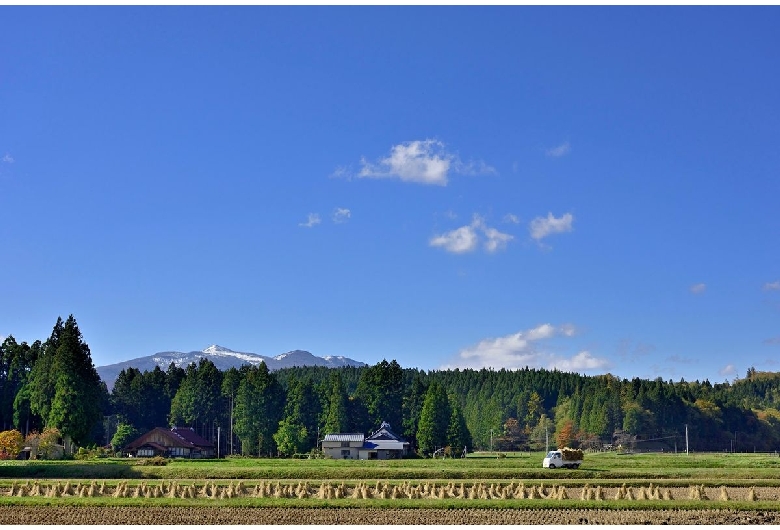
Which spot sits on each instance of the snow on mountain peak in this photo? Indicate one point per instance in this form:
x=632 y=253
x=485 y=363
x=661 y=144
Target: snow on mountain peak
x=216 y=348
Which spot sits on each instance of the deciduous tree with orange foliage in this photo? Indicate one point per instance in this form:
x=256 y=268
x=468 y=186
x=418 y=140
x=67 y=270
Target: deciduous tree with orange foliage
x=565 y=436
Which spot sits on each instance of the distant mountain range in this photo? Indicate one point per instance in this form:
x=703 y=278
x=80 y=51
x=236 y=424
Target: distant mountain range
x=223 y=359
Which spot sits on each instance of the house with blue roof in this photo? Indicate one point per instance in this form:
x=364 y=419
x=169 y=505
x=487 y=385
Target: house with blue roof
x=383 y=444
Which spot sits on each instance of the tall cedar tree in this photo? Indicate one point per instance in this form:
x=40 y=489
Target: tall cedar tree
x=72 y=385
x=458 y=436
x=412 y=407
x=303 y=408
x=198 y=402
x=16 y=361
x=259 y=406
x=434 y=420
x=141 y=398
x=40 y=386
x=381 y=390
x=337 y=418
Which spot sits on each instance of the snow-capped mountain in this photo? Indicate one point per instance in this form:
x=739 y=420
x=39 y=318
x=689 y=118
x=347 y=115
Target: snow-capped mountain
x=223 y=358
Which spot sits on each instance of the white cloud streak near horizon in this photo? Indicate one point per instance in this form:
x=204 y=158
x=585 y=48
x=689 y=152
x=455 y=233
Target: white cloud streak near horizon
x=313 y=219
x=8 y=159
x=542 y=227
x=729 y=369
x=521 y=349
x=467 y=238
x=421 y=162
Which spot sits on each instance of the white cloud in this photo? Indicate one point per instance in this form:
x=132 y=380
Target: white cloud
x=466 y=238
x=772 y=340
x=729 y=369
x=458 y=241
x=341 y=215
x=522 y=349
x=581 y=362
x=772 y=286
x=341 y=172
x=542 y=227
x=511 y=218
x=698 y=288
x=496 y=240
x=314 y=219
x=421 y=161
x=559 y=151
x=8 y=159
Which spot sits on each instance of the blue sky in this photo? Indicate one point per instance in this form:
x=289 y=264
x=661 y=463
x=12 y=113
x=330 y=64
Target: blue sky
x=592 y=189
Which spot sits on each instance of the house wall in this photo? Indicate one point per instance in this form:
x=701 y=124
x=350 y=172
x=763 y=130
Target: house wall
x=381 y=454
x=340 y=451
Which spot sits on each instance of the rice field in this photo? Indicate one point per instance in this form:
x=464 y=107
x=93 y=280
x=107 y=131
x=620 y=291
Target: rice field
x=611 y=489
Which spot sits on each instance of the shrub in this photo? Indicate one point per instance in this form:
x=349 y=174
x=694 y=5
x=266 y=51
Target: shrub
x=155 y=461
x=11 y=443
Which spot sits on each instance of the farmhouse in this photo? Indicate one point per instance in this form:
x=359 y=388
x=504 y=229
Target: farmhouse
x=381 y=445
x=178 y=441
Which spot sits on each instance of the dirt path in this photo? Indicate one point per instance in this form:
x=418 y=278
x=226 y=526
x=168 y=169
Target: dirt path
x=363 y=516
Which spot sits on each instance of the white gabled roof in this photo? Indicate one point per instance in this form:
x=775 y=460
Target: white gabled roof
x=344 y=437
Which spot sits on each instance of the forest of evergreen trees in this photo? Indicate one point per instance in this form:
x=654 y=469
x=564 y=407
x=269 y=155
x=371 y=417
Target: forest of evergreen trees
x=258 y=412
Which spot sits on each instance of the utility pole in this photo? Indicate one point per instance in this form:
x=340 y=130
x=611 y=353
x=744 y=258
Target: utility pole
x=491 y=440
x=218 y=431
x=686 y=439
x=546 y=439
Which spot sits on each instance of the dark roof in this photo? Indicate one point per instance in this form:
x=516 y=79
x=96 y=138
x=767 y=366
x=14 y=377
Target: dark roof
x=188 y=435
x=176 y=437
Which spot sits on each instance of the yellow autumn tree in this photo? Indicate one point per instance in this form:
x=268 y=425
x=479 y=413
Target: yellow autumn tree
x=11 y=443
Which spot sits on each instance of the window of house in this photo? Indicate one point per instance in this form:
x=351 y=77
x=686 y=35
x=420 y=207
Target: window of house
x=344 y=444
x=345 y=452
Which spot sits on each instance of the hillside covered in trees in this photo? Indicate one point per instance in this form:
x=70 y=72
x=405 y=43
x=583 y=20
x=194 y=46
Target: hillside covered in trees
x=53 y=384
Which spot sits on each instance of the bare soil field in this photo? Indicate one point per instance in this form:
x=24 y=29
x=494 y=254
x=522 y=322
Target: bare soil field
x=363 y=516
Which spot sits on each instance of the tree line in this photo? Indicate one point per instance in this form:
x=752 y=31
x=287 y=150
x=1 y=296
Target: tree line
x=54 y=385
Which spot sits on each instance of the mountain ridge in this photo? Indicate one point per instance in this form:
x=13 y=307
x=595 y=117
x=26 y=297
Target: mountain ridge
x=223 y=358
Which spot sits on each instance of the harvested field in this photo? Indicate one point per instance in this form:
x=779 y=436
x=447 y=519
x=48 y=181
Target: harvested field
x=364 y=516
x=382 y=490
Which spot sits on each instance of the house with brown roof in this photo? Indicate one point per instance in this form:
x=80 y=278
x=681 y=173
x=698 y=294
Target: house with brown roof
x=383 y=444
x=177 y=441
